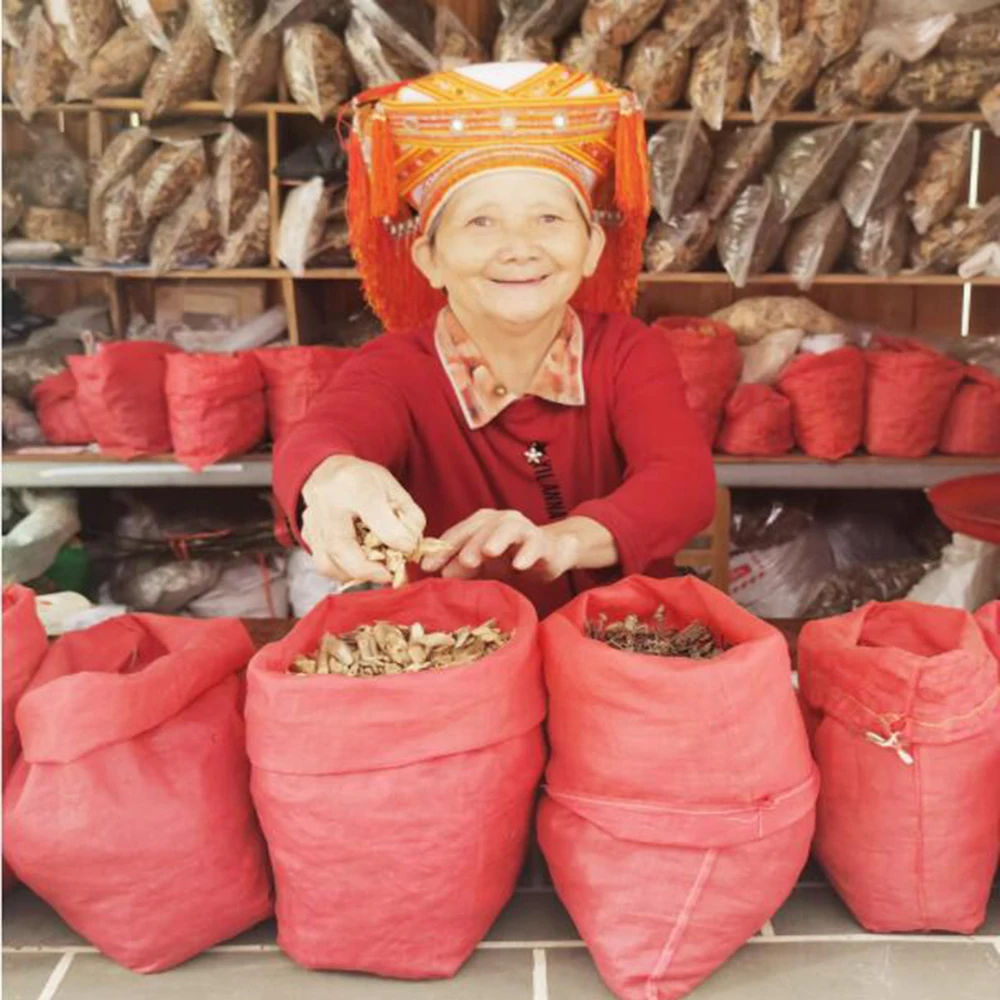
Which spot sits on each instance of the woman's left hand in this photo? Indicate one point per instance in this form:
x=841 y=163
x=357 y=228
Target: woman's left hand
x=489 y=535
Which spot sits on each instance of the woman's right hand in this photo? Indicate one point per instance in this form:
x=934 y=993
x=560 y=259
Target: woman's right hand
x=343 y=488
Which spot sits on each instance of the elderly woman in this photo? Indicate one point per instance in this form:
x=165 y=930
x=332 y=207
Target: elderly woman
x=514 y=407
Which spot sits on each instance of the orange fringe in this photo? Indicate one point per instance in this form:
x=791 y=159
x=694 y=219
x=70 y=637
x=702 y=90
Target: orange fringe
x=385 y=194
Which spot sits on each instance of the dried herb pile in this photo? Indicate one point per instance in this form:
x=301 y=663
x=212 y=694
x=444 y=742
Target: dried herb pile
x=383 y=648
x=394 y=561
x=694 y=642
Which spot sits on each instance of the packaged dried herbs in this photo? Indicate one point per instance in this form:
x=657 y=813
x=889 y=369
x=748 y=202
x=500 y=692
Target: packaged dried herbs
x=56 y=174
x=657 y=70
x=941 y=176
x=815 y=244
x=619 y=22
x=535 y=19
x=887 y=153
x=880 y=244
x=123 y=156
x=82 y=26
x=691 y=23
x=719 y=75
x=945 y=83
x=958 y=237
x=755 y=318
x=593 y=54
x=122 y=233
x=166 y=179
x=517 y=48
x=740 y=158
x=752 y=232
x=247 y=246
x=228 y=22
x=989 y=104
x=252 y=76
x=632 y=635
x=976 y=34
x=770 y=24
x=317 y=68
x=190 y=235
x=15 y=21
x=158 y=20
x=39 y=69
x=680 y=158
x=777 y=87
x=454 y=44
x=240 y=175
x=118 y=68
x=303 y=221
x=809 y=167
x=838 y=24
x=182 y=74
x=13 y=209
x=680 y=244
x=856 y=82
x=56 y=225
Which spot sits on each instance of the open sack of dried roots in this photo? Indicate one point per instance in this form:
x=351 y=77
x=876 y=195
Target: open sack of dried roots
x=397 y=812
x=678 y=758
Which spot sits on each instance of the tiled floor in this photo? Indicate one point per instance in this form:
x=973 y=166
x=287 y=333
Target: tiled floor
x=812 y=950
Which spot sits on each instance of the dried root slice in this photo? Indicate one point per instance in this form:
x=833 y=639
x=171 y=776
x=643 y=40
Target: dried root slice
x=632 y=635
x=394 y=561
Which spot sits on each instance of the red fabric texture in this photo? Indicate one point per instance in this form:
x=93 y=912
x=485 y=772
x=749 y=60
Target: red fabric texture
x=910 y=388
x=129 y=811
x=680 y=795
x=972 y=426
x=397 y=809
x=120 y=392
x=988 y=619
x=294 y=377
x=58 y=412
x=710 y=363
x=758 y=421
x=909 y=837
x=827 y=393
x=216 y=406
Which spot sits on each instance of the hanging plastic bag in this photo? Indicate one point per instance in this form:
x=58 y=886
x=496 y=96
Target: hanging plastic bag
x=188 y=236
x=158 y=20
x=593 y=54
x=752 y=233
x=757 y=422
x=181 y=74
x=880 y=245
x=57 y=410
x=122 y=232
x=945 y=83
x=719 y=75
x=975 y=33
x=958 y=237
x=249 y=245
x=169 y=176
x=680 y=158
x=126 y=152
x=690 y=23
x=902 y=690
x=82 y=26
x=989 y=104
x=680 y=244
x=118 y=68
x=533 y=21
x=302 y=223
x=657 y=70
x=228 y=22
x=39 y=69
x=740 y=158
x=941 y=177
x=857 y=82
x=909 y=39
x=972 y=426
x=619 y=22
x=252 y=75
x=317 y=68
x=240 y=176
x=771 y=23
x=646 y=810
x=157 y=697
x=400 y=771
x=809 y=167
x=837 y=24
x=778 y=87
x=815 y=244
x=454 y=44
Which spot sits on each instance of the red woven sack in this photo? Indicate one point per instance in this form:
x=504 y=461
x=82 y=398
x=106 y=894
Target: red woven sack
x=294 y=377
x=988 y=619
x=910 y=388
x=710 y=363
x=397 y=808
x=908 y=826
x=120 y=392
x=129 y=811
x=58 y=412
x=216 y=406
x=758 y=421
x=972 y=426
x=827 y=393
x=680 y=795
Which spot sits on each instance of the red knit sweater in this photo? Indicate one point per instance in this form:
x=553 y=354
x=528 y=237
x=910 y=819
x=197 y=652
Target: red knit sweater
x=633 y=458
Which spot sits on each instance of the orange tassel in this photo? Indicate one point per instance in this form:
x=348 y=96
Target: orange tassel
x=385 y=193
x=631 y=161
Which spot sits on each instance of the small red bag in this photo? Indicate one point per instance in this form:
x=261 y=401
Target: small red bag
x=758 y=421
x=129 y=811
x=972 y=426
x=710 y=364
x=294 y=377
x=120 y=392
x=680 y=795
x=827 y=393
x=910 y=388
x=908 y=826
x=216 y=405
x=397 y=809
x=58 y=411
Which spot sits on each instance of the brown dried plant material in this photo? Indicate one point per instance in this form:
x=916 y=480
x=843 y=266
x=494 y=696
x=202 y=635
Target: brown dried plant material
x=252 y=76
x=377 y=551
x=815 y=244
x=945 y=83
x=754 y=318
x=118 y=68
x=856 y=82
x=655 y=638
x=334 y=247
x=680 y=159
x=126 y=152
x=240 y=174
x=317 y=68
x=740 y=158
x=169 y=176
x=228 y=22
x=691 y=23
x=809 y=167
x=941 y=177
x=182 y=74
x=40 y=69
x=975 y=34
x=593 y=54
x=122 y=234
x=55 y=174
x=680 y=244
x=383 y=649
x=879 y=246
x=989 y=104
x=958 y=237
x=247 y=246
x=15 y=21
x=657 y=70
x=13 y=209
x=619 y=22
x=719 y=75
x=778 y=87
x=752 y=232
x=190 y=235
x=770 y=23
x=158 y=20
x=518 y=48
x=55 y=225
x=837 y=24
x=82 y=26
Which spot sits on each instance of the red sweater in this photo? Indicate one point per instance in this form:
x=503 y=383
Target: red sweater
x=632 y=459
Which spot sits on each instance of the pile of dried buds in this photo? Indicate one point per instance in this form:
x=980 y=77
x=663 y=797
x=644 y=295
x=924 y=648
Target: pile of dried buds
x=695 y=641
x=394 y=561
x=383 y=648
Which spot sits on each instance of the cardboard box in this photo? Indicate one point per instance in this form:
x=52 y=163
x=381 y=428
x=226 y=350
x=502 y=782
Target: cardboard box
x=208 y=305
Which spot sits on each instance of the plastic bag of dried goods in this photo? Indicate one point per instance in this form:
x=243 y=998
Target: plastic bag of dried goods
x=169 y=176
x=454 y=44
x=517 y=48
x=827 y=393
x=941 y=177
x=13 y=209
x=989 y=104
x=240 y=175
x=972 y=426
x=374 y=63
x=160 y=697
x=250 y=76
x=690 y=23
x=303 y=221
x=15 y=21
x=771 y=23
x=815 y=244
x=20 y=426
x=158 y=20
x=118 y=67
x=740 y=158
x=757 y=422
x=810 y=165
x=910 y=38
x=851 y=588
x=528 y=21
x=57 y=410
x=680 y=158
x=403 y=767
x=910 y=389
x=404 y=30
x=122 y=157
x=317 y=68
x=281 y=14
x=248 y=245
x=306 y=585
x=966 y=576
x=765 y=360
x=856 y=82
x=680 y=244
x=618 y=22
x=838 y=24
x=646 y=810
x=122 y=233
x=756 y=317
x=945 y=83
x=752 y=232
x=39 y=69
x=55 y=174
x=181 y=74
x=189 y=235
x=56 y=225
x=719 y=75
x=162 y=586
x=228 y=22
x=959 y=236
x=904 y=689
x=973 y=34
x=887 y=154
x=593 y=54
x=778 y=87
x=880 y=244
x=82 y=26
x=656 y=70
x=248 y=587
x=984 y=262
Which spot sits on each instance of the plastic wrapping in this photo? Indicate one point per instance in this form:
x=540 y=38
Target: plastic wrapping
x=856 y=82
x=959 y=236
x=306 y=585
x=158 y=21
x=740 y=158
x=123 y=233
x=32 y=545
x=778 y=87
x=182 y=74
x=690 y=23
x=941 y=177
x=317 y=68
x=945 y=83
x=228 y=22
x=246 y=588
x=56 y=174
x=281 y=14
x=989 y=104
x=719 y=75
x=251 y=76
x=815 y=244
x=248 y=244
x=20 y=426
x=190 y=235
x=536 y=19
x=619 y=22
x=911 y=39
x=756 y=317
x=303 y=221
x=593 y=54
x=121 y=158
x=757 y=422
x=680 y=158
x=765 y=360
x=657 y=70
x=246 y=336
x=39 y=69
x=55 y=225
x=390 y=40
x=752 y=233
x=966 y=577
x=118 y=68
x=454 y=44
x=15 y=21
x=880 y=245
x=984 y=262
x=838 y=24
x=848 y=589
x=169 y=176
x=680 y=244
x=517 y=48
x=974 y=34
x=770 y=23
x=82 y=26
x=972 y=426
x=810 y=165
x=240 y=176
x=887 y=153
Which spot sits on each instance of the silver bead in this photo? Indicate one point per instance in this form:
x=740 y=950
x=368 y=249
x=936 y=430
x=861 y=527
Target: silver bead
x=559 y=121
x=508 y=122
x=457 y=125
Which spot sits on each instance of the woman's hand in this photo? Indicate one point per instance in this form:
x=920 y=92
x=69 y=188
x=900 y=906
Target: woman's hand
x=343 y=488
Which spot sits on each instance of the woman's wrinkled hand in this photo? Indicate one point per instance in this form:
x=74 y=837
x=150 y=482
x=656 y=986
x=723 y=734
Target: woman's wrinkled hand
x=343 y=488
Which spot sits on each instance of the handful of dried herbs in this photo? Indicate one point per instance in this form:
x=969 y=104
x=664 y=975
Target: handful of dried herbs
x=377 y=551
x=383 y=648
x=694 y=642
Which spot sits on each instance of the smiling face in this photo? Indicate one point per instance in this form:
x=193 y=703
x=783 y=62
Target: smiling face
x=510 y=248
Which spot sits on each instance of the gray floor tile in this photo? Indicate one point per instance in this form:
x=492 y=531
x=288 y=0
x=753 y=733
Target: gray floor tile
x=24 y=976
x=489 y=975
x=814 y=911
x=572 y=976
x=534 y=916
x=263 y=933
x=29 y=921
